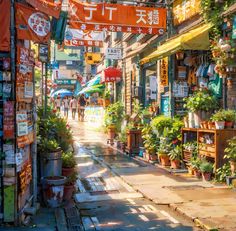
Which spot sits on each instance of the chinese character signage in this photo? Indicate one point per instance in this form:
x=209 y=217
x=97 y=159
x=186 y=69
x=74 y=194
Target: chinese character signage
x=31 y=24
x=76 y=37
x=164 y=72
x=113 y=53
x=49 y=7
x=185 y=9
x=93 y=58
x=132 y=17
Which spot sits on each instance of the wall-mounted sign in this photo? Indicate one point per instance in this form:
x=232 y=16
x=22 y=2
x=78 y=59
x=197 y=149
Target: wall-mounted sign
x=110 y=14
x=93 y=58
x=43 y=53
x=113 y=53
x=22 y=128
x=153 y=87
x=185 y=9
x=164 y=72
x=65 y=81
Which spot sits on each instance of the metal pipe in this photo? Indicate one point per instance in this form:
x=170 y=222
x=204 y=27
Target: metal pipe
x=45 y=90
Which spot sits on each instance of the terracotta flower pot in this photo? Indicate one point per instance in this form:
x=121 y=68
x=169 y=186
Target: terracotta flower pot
x=165 y=160
x=211 y=125
x=153 y=157
x=232 y=166
x=67 y=171
x=190 y=170
x=197 y=173
x=229 y=124
x=206 y=176
x=175 y=164
x=68 y=192
x=111 y=132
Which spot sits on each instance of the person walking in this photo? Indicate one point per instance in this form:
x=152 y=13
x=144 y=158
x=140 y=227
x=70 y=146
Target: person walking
x=66 y=103
x=58 y=103
x=81 y=107
x=73 y=105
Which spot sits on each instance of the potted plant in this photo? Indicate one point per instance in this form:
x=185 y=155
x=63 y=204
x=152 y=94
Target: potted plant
x=122 y=139
x=229 y=118
x=163 y=152
x=219 y=119
x=230 y=154
x=160 y=123
x=107 y=97
x=68 y=163
x=195 y=163
x=69 y=186
x=176 y=157
x=206 y=169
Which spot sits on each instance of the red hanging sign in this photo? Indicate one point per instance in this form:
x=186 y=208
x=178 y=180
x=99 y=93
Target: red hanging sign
x=31 y=24
x=49 y=7
x=87 y=43
x=5 y=25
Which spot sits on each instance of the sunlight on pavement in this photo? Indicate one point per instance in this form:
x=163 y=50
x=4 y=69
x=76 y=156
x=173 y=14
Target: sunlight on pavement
x=85 y=164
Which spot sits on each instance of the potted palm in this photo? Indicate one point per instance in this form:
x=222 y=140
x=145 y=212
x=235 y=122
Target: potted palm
x=230 y=154
x=175 y=157
x=69 y=186
x=206 y=170
x=163 y=152
x=68 y=163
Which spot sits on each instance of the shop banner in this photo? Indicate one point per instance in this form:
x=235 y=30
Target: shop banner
x=31 y=24
x=5 y=25
x=113 y=53
x=164 y=72
x=185 y=9
x=49 y=7
x=77 y=43
x=117 y=28
x=110 y=14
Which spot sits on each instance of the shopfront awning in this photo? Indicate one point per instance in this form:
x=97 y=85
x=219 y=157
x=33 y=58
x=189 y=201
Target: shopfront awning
x=196 y=39
x=92 y=89
x=94 y=81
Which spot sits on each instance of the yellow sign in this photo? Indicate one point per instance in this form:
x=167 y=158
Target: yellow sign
x=93 y=58
x=164 y=72
x=185 y=9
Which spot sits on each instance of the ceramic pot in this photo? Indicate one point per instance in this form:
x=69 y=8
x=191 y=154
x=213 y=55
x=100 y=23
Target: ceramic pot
x=229 y=124
x=206 y=176
x=232 y=167
x=67 y=171
x=197 y=173
x=220 y=124
x=165 y=160
x=191 y=120
x=175 y=164
x=197 y=119
x=68 y=192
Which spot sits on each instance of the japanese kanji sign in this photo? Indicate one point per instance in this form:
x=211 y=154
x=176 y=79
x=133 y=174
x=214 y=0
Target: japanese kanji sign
x=113 y=53
x=31 y=24
x=164 y=72
x=185 y=9
x=116 y=15
x=76 y=37
x=49 y=7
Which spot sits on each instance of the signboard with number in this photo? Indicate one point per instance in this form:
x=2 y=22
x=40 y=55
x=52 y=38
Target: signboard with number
x=113 y=53
x=164 y=72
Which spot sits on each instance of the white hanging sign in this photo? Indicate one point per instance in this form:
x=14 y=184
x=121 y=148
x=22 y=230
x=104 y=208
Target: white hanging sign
x=113 y=53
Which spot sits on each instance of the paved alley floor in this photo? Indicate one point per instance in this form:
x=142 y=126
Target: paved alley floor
x=104 y=200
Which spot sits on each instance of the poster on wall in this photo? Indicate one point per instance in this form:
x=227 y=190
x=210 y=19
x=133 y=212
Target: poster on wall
x=22 y=128
x=153 y=87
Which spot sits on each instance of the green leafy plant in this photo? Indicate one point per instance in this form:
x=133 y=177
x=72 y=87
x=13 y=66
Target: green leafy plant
x=68 y=160
x=71 y=179
x=222 y=173
x=164 y=148
x=206 y=167
x=195 y=163
x=230 y=151
x=150 y=140
x=218 y=116
x=230 y=115
x=107 y=94
x=47 y=146
x=160 y=123
x=201 y=100
x=122 y=137
x=176 y=153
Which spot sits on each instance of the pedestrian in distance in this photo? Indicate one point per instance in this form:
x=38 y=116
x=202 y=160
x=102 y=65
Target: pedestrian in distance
x=66 y=103
x=73 y=106
x=81 y=107
x=58 y=103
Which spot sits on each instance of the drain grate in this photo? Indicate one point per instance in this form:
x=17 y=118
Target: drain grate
x=75 y=228
x=71 y=212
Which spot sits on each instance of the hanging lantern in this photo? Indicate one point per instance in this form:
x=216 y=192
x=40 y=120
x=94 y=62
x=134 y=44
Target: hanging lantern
x=179 y=55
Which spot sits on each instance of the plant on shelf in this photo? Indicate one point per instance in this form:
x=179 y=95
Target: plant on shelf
x=229 y=118
x=176 y=156
x=219 y=119
x=230 y=154
x=222 y=173
x=206 y=170
x=68 y=163
x=163 y=151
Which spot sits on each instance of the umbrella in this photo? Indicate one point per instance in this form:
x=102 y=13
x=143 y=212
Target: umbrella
x=62 y=92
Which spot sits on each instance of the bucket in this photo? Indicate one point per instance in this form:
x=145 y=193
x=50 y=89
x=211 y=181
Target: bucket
x=51 y=164
x=53 y=190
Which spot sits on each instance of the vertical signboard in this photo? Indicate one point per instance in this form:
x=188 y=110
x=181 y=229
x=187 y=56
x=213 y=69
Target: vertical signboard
x=153 y=87
x=164 y=72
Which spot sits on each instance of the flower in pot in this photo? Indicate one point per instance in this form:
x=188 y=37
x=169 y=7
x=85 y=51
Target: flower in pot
x=68 y=163
x=69 y=186
x=163 y=152
x=219 y=119
x=206 y=169
x=195 y=163
x=230 y=154
x=229 y=118
x=176 y=157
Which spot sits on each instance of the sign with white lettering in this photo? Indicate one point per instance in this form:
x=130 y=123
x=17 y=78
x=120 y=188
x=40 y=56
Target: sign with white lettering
x=113 y=53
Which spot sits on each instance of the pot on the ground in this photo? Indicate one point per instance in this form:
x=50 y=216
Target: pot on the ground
x=67 y=171
x=175 y=164
x=197 y=173
x=111 y=131
x=232 y=167
x=68 y=192
x=164 y=159
x=220 y=124
x=206 y=176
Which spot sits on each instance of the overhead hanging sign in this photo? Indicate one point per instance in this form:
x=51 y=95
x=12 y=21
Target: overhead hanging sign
x=185 y=9
x=49 y=7
x=31 y=24
x=76 y=37
x=113 y=53
x=116 y=15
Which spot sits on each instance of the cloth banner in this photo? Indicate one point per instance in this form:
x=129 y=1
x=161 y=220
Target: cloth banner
x=110 y=14
x=31 y=24
x=49 y=7
x=5 y=25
